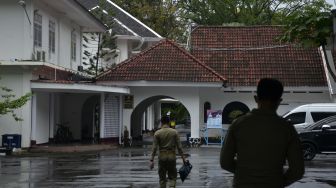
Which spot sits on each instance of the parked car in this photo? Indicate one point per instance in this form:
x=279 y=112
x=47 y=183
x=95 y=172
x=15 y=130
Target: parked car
x=319 y=138
x=305 y=115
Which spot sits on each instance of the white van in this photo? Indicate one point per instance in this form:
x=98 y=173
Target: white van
x=306 y=115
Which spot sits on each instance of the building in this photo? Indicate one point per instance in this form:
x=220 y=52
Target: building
x=132 y=36
x=230 y=62
x=40 y=52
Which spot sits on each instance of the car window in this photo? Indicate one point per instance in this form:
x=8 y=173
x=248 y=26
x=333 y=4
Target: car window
x=317 y=116
x=332 y=125
x=331 y=121
x=296 y=118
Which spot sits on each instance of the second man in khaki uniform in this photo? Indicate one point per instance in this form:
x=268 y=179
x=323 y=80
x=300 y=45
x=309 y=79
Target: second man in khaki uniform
x=166 y=140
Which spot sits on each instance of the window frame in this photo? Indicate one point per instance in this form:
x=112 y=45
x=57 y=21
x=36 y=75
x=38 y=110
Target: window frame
x=52 y=36
x=304 y=119
x=38 y=28
x=73 y=46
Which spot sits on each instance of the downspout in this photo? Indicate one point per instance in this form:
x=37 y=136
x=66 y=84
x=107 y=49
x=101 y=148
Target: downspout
x=141 y=42
x=330 y=74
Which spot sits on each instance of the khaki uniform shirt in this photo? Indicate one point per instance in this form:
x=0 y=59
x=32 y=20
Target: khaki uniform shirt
x=256 y=148
x=166 y=140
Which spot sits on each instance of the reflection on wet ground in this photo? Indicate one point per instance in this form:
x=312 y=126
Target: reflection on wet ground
x=129 y=168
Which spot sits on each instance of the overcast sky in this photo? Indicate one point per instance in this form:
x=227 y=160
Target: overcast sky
x=332 y=2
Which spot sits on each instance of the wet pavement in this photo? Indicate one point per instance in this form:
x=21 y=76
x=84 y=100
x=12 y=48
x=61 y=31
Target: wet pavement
x=129 y=168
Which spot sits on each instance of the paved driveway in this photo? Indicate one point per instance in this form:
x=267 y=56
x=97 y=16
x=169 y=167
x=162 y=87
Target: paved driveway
x=129 y=168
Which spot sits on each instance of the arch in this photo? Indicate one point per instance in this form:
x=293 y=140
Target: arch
x=206 y=107
x=90 y=118
x=137 y=115
x=233 y=110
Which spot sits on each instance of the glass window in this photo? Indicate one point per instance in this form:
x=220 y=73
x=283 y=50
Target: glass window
x=332 y=125
x=51 y=36
x=37 y=30
x=207 y=106
x=317 y=116
x=296 y=118
x=73 y=46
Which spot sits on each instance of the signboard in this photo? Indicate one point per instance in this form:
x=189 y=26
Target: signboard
x=214 y=119
x=128 y=101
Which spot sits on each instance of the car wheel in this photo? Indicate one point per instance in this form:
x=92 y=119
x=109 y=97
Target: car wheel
x=309 y=151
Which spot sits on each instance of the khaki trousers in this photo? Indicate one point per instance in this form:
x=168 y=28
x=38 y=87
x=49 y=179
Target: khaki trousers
x=167 y=164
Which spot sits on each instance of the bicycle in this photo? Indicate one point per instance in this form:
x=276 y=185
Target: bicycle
x=63 y=134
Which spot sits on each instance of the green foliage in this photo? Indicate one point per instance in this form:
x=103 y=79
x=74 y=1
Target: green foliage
x=8 y=102
x=248 y=12
x=164 y=17
x=105 y=40
x=177 y=111
x=311 y=29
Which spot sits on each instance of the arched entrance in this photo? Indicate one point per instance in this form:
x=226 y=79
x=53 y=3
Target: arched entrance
x=139 y=122
x=90 y=120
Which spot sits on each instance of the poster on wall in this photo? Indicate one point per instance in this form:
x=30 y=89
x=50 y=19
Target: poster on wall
x=128 y=101
x=214 y=119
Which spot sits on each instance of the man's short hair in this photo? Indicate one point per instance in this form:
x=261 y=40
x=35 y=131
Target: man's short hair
x=269 y=89
x=165 y=119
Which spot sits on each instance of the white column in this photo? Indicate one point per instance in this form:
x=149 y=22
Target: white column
x=33 y=120
x=144 y=120
x=52 y=115
x=26 y=112
x=102 y=110
x=121 y=125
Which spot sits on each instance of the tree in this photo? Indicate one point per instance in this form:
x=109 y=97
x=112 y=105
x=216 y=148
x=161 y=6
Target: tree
x=95 y=43
x=164 y=17
x=8 y=102
x=311 y=28
x=246 y=12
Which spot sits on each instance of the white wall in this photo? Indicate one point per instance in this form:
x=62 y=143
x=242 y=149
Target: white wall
x=187 y=96
x=15 y=31
x=193 y=99
x=42 y=125
x=17 y=36
x=19 y=82
x=219 y=99
x=66 y=27
x=122 y=45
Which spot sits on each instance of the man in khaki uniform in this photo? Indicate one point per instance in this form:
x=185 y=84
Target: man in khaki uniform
x=166 y=140
x=258 y=144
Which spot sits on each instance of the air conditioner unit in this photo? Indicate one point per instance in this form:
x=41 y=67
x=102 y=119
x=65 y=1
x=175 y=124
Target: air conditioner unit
x=40 y=55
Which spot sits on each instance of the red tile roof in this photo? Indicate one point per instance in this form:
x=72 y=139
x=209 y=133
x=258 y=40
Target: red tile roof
x=245 y=54
x=58 y=75
x=165 y=61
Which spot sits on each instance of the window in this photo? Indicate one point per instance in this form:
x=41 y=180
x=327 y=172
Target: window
x=317 y=116
x=73 y=46
x=297 y=118
x=51 y=37
x=37 y=30
x=207 y=106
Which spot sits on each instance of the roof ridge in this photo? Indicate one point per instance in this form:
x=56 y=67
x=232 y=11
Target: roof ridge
x=131 y=58
x=134 y=18
x=238 y=26
x=195 y=59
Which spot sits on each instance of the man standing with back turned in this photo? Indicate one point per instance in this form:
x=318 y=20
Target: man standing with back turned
x=259 y=143
x=166 y=140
